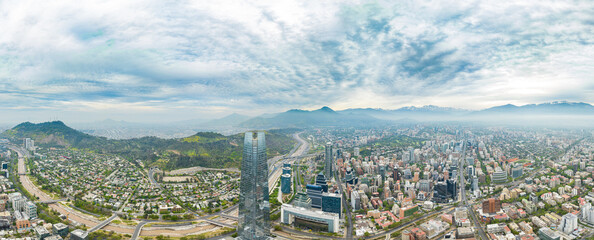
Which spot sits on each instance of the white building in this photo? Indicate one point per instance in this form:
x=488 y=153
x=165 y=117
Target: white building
x=290 y=213
x=587 y=213
x=569 y=223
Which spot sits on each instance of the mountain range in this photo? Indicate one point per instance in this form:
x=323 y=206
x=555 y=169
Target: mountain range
x=554 y=113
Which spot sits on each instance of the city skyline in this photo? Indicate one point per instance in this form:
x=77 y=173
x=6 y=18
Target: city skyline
x=163 y=61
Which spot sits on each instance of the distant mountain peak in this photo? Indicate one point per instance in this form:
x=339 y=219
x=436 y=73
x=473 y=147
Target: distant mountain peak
x=326 y=109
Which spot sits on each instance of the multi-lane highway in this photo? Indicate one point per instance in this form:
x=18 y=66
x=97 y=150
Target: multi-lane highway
x=461 y=171
x=95 y=224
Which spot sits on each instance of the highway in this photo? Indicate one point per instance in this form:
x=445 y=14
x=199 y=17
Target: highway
x=275 y=173
x=461 y=171
x=95 y=224
x=103 y=224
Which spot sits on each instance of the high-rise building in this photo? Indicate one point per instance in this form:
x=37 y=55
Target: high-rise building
x=587 y=213
x=452 y=188
x=18 y=203
x=31 y=210
x=411 y=154
x=499 y=176
x=569 y=223
x=29 y=144
x=286 y=170
x=470 y=171
x=254 y=205
x=286 y=183
x=321 y=181
x=332 y=202
x=355 y=200
x=440 y=192
x=328 y=161
x=314 y=192
x=424 y=185
x=4 y=165
x=517 y=171
x=356 y=152
x=475 y=183
x=491 y=205
x=396 y=174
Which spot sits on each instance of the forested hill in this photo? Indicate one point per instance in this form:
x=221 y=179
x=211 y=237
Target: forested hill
x=206 y=149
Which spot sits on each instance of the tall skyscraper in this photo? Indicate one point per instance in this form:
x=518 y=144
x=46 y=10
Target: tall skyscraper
x=254 y=207
x=328 y=160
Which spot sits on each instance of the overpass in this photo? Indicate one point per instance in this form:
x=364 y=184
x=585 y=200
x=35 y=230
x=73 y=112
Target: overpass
x=103 y=224
x=138 y=229
x=229 y=217
x=53 y=201
x=220 y=223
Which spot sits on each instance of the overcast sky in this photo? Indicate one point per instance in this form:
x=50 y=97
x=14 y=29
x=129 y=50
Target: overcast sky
x=167 y=60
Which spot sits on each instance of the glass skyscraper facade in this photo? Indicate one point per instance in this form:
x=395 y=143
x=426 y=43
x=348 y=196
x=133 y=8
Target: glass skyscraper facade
x=328 y=160
x=254 y=207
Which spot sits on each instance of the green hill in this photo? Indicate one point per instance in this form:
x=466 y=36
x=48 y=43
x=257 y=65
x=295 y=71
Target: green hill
x=206 y=149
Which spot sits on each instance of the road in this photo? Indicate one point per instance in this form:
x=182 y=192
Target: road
x=92 y=222
x=292 y=156
x=349 y=230
x=461 y=171
x=103 y=224
x=378 y=235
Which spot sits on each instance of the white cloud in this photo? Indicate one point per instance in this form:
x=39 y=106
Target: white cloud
x=276 y=55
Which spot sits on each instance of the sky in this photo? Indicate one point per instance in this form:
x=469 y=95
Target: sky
x=165 y=60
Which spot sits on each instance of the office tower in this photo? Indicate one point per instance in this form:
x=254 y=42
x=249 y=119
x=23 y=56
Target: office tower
x=411 y=154
x=517 y=171
x=440 y=192
x=396 y=174
x=499 y=176
x=491 y=205
x=470 y=171
x=328 y=160
x=332 y=202
x=470 y=161
x=475 y=183
x=355 y=200
x=569 y=223
x=424 y=185
x=321 y=181
x=302 y=200
x=314 y=192
x=407 y=174
x=382 y=171
x=356 y=152
x=254 y=207
x=452 y=188
x=286 y=183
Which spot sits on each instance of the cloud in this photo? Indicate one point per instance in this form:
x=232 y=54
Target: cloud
x=256 y=57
